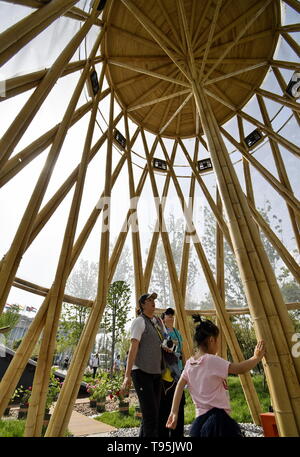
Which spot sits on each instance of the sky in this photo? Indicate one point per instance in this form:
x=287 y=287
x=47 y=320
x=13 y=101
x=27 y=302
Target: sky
x=40 y=260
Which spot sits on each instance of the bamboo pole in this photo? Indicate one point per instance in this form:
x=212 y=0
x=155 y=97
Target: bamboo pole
x=283 y=100
x=18 y=35
x=196 y=40
x=271 y=134
x=20 y=160
x=262 y=291
x=136 y=244
x=246 y=382
x=220 y=279
x=155 y=236
x=50 y=207
x=232 y=311
x=61 y=415
x=210 y=37
x=16 y=130
x=286 y=257
x=283 y=176
x=147 y=72
x=284 y=64
x=157 y=85
x=282 y=85
x=186 y=245
x=247 y=173
x=163 y=41
x=171 y=25
x=208 y=197
x=43 y=291
x=282 y=190
x=256 y=13
x=13 y=257
x=181 y=318
x=293 y=4
x=291 y=42
x=16 y=367
x=38 y=398
x=20 y=84
x=74 y=13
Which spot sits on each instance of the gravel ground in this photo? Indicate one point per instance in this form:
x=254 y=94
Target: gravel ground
x=250 y=430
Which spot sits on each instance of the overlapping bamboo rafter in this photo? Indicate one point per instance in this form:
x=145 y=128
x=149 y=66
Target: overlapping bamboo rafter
x=181 y=82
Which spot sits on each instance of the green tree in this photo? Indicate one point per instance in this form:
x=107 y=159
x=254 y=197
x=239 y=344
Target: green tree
x=116 y=313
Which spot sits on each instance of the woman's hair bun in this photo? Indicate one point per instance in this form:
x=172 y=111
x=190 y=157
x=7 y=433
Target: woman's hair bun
x=196 y=318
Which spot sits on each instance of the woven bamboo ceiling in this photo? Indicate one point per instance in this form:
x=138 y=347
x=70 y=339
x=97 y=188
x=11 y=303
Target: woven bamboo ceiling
x=171 y=43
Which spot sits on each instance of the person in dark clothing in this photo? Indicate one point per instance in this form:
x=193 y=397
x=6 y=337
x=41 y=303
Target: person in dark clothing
x=170 y=378
x=144 y=364
x=66 y=363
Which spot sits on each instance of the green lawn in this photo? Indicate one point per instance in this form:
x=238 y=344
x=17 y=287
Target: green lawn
x=11 y=428
x=15 y=428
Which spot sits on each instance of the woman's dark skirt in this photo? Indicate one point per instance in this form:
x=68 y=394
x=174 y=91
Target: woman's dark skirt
x=215 y=423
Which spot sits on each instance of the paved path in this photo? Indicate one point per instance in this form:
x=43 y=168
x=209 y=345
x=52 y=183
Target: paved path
x=81 y=425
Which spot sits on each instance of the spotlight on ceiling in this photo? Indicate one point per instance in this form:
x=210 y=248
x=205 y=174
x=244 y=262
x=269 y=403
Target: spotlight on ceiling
x=120 y=138
x=101 y=4
x=293 y=88
x=254 y=137
x=204 y=165
x=92 y=83
x=159 y=165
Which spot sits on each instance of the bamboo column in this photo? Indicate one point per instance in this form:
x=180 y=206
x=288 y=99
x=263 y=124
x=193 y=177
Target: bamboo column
x=16 y=130
x=262 y=291
x=36 y=411
x=18 y=35
x=220 y=280
x=246 y=381
x=181 y=318
x=271 y=134
x=186 y=245
x=13 y=257
x=295 y=218
x=19 y=84
x=216 y=212
x=282 y=190
x=155 y=236
x=282 y=85
x=74 y=13
x=286 y=257
x=136 y=244
x=123 y=233
x=63 y=410
x=24 y=157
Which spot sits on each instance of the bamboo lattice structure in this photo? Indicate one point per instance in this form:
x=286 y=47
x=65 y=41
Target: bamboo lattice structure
x=175 y=70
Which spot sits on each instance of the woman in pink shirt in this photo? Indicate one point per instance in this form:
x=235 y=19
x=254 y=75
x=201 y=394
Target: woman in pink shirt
x=205 y=374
